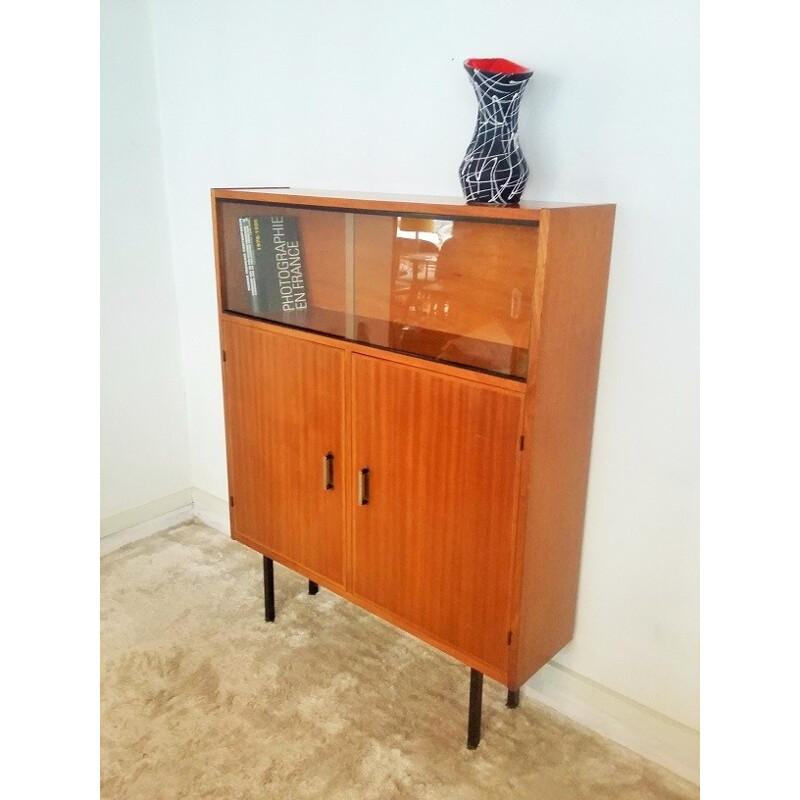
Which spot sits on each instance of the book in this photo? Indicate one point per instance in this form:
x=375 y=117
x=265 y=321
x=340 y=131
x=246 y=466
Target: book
x=248 y=258
x=273 y=264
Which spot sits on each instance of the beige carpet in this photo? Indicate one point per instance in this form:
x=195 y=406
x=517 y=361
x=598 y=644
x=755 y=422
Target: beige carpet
x=201 y=698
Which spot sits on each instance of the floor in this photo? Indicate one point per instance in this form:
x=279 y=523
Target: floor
x=202 y=698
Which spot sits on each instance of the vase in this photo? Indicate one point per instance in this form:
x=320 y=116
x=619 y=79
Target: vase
x=494 y=171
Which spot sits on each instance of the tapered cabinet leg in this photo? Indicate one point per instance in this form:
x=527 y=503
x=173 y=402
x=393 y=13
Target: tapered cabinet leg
x=313 y=588
x=269 y=590
x=475 y=703
x=512 y=701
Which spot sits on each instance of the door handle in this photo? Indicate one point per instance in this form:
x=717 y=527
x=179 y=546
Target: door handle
x=363 y=487
x=327 y=471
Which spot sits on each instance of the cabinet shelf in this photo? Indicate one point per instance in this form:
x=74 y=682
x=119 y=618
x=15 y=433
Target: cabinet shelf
x=454 y=289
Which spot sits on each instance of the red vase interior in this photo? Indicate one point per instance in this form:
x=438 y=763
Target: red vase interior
x=495 y=65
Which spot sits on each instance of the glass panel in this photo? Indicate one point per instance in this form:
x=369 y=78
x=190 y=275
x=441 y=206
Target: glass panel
x=455 y=290
x=459 y=291
x=284 y=264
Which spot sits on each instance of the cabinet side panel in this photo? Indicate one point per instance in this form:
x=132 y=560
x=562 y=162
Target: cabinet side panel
x=559 y=418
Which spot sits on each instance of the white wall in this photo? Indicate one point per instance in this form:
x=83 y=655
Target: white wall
x=144 y=431
x=372 y=96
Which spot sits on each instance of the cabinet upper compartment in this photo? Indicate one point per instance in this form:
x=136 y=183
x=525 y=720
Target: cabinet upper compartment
x=433 y=279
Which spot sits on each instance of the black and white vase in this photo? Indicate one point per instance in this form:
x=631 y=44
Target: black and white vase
x=494 y=170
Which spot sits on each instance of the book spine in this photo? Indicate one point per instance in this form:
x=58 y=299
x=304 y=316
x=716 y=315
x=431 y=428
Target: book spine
x=279 y=265
x=248 y=258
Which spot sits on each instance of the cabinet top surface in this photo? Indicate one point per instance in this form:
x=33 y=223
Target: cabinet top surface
x=364 y=201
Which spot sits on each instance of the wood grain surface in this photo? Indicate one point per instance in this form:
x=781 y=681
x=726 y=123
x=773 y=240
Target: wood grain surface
x=284 y=403
x=435 y=543
x=393 y=204
x=559 y=416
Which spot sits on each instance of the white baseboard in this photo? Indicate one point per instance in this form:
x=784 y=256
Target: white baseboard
x=158 y=515
x=648 y=733
x=615 y=717
x=212 y=510
x=143 y=521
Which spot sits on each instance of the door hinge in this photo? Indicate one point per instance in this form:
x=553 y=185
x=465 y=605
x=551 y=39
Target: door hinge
x=521 y=442
x=224 y=356
x=231 y=500
x=509 y=637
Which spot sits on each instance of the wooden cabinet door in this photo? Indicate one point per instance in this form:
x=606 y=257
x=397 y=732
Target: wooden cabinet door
x=284 y=400
x=434 y=545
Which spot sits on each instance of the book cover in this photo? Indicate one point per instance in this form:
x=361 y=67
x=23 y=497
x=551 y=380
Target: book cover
x=277 y=282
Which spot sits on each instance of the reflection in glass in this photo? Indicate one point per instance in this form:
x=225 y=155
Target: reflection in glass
x=458 y=291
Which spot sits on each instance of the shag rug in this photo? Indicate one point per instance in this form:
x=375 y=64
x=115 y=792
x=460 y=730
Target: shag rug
x=201 y=698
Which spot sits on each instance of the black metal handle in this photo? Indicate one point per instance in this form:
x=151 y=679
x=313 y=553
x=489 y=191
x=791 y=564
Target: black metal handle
x=327 y=471
x=363 y=487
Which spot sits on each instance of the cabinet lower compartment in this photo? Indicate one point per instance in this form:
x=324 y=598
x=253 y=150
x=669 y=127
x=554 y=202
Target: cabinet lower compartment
x=430 y=546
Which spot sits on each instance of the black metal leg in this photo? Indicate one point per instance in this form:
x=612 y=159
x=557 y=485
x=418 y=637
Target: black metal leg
x=269 y=590
x=313 y=588
x=475 y=701
x=513 y=698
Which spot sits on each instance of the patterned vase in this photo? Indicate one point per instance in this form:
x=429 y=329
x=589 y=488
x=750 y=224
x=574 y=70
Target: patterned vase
x=494 y=170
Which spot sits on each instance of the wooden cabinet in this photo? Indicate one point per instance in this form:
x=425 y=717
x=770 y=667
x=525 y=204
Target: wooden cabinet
x=409 y=395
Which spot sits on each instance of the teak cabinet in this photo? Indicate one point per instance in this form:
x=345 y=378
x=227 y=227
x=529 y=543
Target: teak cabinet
x=409 y=393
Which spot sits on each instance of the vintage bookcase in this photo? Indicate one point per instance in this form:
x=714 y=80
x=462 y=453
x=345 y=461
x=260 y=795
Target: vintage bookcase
x=412 y=430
